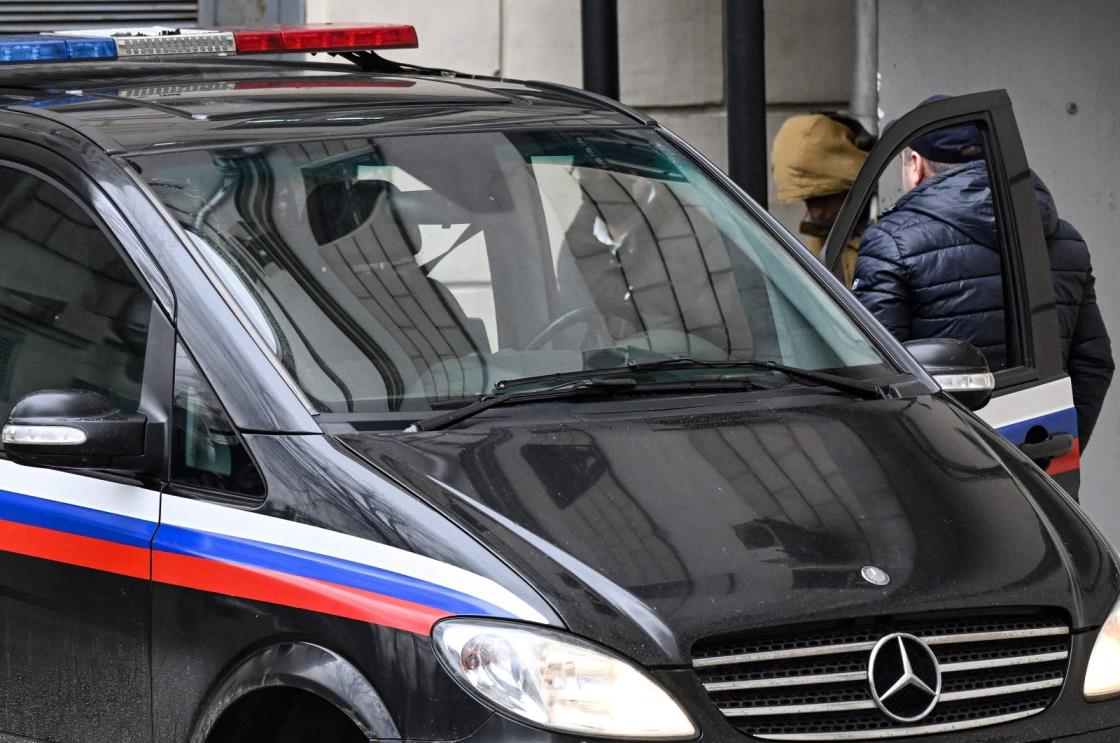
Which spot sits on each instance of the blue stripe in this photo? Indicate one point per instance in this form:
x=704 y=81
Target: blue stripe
x=320 y=567
x=1063 y=421
x=86 y=522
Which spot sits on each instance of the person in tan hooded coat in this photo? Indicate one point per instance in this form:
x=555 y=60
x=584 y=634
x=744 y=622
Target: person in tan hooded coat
x=816 y=158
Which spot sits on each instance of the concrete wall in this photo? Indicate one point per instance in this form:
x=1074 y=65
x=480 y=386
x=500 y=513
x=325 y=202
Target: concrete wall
x=249 y=12
x=1061 y=66
x=670 y=54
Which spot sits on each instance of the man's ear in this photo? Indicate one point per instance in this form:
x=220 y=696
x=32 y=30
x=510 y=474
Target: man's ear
x=922 y=168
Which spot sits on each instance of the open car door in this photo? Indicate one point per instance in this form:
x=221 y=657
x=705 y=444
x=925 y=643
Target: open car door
x=1033 y=401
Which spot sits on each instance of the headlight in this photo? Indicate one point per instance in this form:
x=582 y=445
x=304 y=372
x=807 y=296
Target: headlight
x=557 y=681
x=1102 y=678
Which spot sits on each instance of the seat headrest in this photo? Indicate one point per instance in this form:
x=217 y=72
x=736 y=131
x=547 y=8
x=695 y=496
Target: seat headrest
x=336 y=209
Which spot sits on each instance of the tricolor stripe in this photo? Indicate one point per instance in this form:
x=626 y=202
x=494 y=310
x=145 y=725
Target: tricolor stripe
x=1063 y=421
x=106 y=526
x=278 y=559
x=223 y=550
x=1049 y=406
x=259 y=584
x=200 y=529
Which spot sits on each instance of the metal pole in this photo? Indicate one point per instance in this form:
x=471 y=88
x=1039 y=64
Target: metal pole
x=865 y=72
x=745 y=72
x=599 y=19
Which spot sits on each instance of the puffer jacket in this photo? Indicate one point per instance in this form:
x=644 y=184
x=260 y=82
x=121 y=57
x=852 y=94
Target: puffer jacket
x=1086 y=347
x=930 y=268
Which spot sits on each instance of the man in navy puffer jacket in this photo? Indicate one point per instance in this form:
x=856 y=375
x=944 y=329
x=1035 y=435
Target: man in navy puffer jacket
x=930 y=267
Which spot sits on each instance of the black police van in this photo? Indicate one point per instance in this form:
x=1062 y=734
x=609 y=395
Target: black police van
x=350 y=401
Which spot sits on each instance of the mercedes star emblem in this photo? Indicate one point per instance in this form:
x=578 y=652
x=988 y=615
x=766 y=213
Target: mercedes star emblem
x=875 y=576
x=904 y=677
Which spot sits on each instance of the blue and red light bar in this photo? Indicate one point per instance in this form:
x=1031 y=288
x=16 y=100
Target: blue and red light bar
x=156 y=42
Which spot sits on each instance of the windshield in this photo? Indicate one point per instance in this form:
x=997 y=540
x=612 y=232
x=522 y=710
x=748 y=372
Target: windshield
x=408 y=272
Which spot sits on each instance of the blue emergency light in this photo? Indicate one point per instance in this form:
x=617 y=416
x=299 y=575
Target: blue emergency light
x=43 y=48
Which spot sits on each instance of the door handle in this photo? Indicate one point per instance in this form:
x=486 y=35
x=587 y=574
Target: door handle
x=1055 y=445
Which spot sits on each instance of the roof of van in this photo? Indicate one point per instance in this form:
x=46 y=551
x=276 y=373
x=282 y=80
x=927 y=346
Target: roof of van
x=128 y=106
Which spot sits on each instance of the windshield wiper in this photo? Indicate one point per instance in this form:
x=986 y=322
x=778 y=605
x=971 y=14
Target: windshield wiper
x=567 y=389
x=583 y=385
x=857 y=387
x=615 y=379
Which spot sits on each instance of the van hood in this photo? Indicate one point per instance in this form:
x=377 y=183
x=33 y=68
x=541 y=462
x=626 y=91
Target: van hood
x=691 y=517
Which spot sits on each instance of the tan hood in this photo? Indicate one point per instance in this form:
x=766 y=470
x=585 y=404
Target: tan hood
x=814 y=156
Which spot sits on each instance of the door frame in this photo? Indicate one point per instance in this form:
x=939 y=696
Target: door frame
x=1034 y=337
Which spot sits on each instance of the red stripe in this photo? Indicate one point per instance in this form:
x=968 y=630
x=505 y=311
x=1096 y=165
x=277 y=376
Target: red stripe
x=260 y=584
x=1066 y=462
x=74 y=549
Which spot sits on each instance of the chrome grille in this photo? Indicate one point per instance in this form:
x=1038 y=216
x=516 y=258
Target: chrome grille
x=812 y=684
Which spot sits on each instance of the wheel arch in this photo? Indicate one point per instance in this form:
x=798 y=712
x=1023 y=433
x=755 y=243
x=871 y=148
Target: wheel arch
x=306 y=667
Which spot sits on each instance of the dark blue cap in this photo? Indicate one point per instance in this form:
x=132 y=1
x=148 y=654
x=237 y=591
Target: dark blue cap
x=956 y=144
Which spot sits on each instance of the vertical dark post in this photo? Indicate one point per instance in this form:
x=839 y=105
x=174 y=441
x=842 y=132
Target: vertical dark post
x=865 y=88
x=599 y=19
x=745 y=74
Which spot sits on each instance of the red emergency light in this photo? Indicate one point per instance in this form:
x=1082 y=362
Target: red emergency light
x=324 y=38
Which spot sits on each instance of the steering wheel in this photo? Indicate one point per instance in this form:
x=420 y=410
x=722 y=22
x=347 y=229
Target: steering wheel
x=585 y=315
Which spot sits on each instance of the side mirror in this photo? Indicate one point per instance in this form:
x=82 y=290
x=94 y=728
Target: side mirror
x=73 y=429
x=960 y=368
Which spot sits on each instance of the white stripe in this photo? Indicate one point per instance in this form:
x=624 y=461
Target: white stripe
x=80 y=490
x=215 y=519
x=1033 y=402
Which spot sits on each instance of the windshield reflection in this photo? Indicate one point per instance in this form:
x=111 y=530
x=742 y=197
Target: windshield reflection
x=412 y=272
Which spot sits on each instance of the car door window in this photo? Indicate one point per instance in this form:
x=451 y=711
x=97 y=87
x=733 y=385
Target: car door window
x=72 y=314
x=207 y=451
x=933 y=261
x=960 y=254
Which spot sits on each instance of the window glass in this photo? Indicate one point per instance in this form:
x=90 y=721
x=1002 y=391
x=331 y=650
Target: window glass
x=411 y=272
x=207 y=451
x=72 y=315
x=933 y=263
